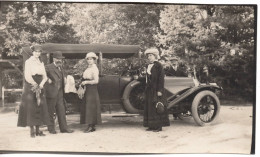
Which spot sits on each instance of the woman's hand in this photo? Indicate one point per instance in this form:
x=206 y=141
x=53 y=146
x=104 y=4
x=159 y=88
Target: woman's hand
x=34 y=85
x=159 y=93
x=41 y=86
x=83 y=83
x=49 y=81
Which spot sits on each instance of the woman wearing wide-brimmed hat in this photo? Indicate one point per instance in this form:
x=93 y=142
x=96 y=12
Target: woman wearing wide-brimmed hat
x=91 y=109
x=154 y=91
x=33 y=110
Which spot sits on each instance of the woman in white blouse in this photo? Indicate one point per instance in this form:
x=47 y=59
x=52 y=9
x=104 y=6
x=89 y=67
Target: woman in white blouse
x=33 y=111
x=91 y=109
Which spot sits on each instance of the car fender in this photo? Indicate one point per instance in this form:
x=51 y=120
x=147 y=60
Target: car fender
x=191 y=91
x=129 y=87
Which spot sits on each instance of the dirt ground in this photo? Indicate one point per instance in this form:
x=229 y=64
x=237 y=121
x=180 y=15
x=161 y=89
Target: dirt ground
x=230 y=134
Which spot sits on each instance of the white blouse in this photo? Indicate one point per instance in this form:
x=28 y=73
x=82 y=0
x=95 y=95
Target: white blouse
x=34 y=66
x=149 y=68
x=91 y=73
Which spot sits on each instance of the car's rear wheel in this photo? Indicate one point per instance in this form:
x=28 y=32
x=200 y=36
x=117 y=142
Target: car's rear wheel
x=205 y=107
x=134 y=97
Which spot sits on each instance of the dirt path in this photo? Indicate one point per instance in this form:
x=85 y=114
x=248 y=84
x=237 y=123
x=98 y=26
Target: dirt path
x=230 y=134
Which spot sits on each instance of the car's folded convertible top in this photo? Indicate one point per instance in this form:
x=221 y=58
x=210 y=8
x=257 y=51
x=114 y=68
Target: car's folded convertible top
x=74 y=51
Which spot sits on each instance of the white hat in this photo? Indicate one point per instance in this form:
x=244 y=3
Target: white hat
x=92 y=55
x=153 y=51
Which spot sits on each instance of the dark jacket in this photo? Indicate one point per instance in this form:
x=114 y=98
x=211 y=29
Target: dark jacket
x=156 y=80
x=57 y=77
x=169 y=71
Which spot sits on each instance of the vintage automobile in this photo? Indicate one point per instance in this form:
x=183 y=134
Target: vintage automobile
x=186 y=96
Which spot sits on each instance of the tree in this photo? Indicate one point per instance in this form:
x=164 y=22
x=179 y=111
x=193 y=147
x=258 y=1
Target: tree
x=238 y=36
x=205 y=35
x=36 y=22
x=127 y=24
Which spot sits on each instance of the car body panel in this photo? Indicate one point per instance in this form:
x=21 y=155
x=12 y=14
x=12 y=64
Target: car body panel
x=109 y=89
x=176 y=84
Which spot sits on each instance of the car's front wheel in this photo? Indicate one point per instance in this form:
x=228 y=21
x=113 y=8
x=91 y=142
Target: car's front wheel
x=205 y=107
x=134 y=97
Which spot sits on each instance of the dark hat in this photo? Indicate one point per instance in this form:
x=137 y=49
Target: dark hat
x=36 y=48
x=58 y=55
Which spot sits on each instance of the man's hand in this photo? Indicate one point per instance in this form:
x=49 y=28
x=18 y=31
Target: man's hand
x=159 y=93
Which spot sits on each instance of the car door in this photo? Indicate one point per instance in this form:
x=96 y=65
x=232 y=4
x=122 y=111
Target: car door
x=108 y=89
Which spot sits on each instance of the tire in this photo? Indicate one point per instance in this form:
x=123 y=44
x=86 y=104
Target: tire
x=205 y=107
x=133 y=97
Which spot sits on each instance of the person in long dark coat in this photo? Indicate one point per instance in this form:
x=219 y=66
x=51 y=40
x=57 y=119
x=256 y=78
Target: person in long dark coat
x=55 y=94
x=154 y=91
x=91 y=108
x=33 y=110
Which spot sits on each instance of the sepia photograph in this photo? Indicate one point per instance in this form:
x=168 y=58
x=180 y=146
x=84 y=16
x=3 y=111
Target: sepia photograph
x=127 y=78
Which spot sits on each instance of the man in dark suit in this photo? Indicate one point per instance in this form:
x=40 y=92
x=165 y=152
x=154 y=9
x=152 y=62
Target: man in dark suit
x=54 y=88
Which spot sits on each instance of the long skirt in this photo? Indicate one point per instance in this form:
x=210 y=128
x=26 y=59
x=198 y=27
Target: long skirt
x=90 y=111
x=30 y=113
x=151 y=118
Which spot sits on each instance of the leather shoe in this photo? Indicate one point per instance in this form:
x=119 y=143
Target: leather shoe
x=52 y=132
x=67 y=131
x=89 y=129
x=40 y=133
x=32 y=134
x=157 y=130
x=149 y=129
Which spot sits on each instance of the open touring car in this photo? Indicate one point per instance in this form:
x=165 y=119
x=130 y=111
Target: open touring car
x=185 y=95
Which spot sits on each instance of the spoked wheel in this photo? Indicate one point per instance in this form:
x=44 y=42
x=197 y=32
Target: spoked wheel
x=137 y=97
x=205 y=107
x=134 y=97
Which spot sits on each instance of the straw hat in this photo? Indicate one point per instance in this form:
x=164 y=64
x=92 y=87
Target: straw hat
x=92 y=55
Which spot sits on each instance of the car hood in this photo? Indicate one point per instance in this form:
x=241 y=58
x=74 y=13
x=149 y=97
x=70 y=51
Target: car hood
x=176 y=84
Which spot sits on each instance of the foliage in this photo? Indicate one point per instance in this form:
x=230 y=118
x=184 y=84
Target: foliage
x=217 y=36
x=127 y=24
x=12 y=80
x=206 y=35
x=36 y=22
x=115 y=66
